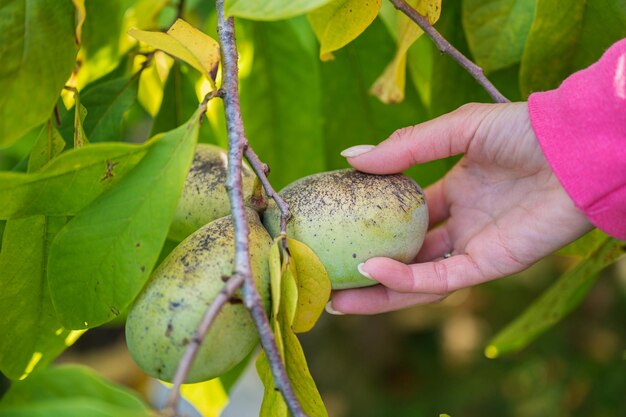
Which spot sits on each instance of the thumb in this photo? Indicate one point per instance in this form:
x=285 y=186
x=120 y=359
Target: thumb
x=444 y=136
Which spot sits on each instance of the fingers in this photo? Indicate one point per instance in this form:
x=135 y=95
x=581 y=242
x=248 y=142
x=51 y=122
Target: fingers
x=436 y=244
x=378 y=299
x=444 y=136
x=438 y=277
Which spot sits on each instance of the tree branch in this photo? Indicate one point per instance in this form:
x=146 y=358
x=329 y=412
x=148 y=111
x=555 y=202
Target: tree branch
x=237 y=143
x=445 y=47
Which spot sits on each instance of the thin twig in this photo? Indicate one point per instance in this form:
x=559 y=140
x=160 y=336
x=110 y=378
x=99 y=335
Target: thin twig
x=237 y=142
x=445 y=47
x=262 y=170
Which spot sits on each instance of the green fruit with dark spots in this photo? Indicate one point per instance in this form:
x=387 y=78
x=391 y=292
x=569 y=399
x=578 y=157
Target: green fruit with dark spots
x=204 y=197
x=165 y=316
x=347 y=217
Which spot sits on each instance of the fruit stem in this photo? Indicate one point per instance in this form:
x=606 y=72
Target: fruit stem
x=445 y=47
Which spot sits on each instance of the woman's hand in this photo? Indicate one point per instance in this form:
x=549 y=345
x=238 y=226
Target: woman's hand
x=498 y=211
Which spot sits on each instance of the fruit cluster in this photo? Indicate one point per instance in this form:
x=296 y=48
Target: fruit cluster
x=345 y=217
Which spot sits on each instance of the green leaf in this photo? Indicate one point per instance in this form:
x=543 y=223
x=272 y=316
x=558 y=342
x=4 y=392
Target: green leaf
x=281 y=103
x=31 y=334
x=496 y=30
x=68 y=183
x=299 y=375
x=101 y=259
x=74 y=407
x=179 y=101
x=106 y=103
x=70 y=381
x=451 y=85
x=557 y=302
x=49 y=144
x=567 y=36
x=583 y=246
x=100 y=48
x=275 y=267
x=270 y=9
x=70 y=391
x=351 y=115
x=313 y=286
x=187 y=43
x=339 y=22
x=389 y=87
x=38 y=50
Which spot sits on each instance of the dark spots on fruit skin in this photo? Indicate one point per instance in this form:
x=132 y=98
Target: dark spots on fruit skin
x=170 y=328
x=174 y=304
x=354 y=255
x=346 y=190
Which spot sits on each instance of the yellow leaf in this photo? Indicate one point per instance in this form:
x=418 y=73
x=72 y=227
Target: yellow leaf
x=209 y=397
x=389 y=87
x=275 y=275
x=289 y=291
x=313 y=286
x=187 y=43
x=81 y=13
x=340 y=22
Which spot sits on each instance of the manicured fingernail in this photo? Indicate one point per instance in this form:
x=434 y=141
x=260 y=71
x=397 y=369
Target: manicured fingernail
x=356 y=150
x=331 y=310
x=362 y=271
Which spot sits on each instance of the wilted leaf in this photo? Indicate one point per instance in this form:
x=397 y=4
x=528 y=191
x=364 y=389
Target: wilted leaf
x=339 y=22
x=270 y=9
x=496 y=30
x=557 y=302
x=38 y=42
x=100 y=260
x=313 y=286
x=389 y=87
x=185 y=42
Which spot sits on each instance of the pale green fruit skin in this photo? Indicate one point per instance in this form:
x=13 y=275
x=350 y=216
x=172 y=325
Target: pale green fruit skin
x=166 y=314
x=204 y=197
x=347 y=217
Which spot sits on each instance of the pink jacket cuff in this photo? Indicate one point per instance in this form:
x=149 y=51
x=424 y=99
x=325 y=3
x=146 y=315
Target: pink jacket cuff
x=581 y=128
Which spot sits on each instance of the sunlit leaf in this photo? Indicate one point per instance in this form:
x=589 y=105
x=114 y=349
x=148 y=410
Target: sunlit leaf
x=270 y=9
x=101 y=259
x=567 y=36
x=80 y=19
x=313 y=286
x=556 y=302
x=339 y=22
x=389 y=87
x=68 y=183
x=496 y=30
x=585 y=245
x=185 y=42
x=38 y=49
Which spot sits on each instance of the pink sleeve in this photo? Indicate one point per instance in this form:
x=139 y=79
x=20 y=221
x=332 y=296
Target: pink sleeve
x=581 y=127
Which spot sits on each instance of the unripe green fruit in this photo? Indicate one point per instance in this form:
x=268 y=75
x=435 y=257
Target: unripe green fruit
x=165 y=316
x=204 y=197
x=347 y=217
